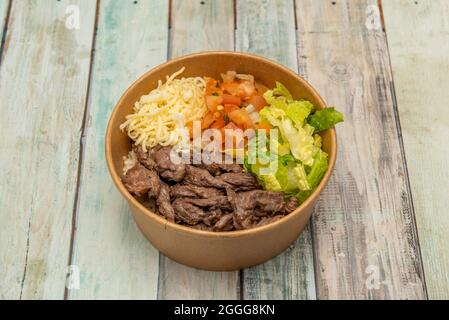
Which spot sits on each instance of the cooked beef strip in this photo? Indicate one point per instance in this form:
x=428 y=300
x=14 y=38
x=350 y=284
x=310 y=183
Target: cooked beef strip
x=213 y=217
x=255 y=202
x=188 y=212
x=216 y=169
x=240 y=181
x=163 y=203
x=190 y=190
x=213 y=168
x=218 y=202
x=203 y=178
x=290 y=205
x=145 y=158
x=242 y=224
x=225 y=223
x=167 y=169
x=139 y=180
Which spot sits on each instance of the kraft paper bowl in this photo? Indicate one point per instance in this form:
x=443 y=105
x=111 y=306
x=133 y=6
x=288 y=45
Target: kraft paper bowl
x=219 y=251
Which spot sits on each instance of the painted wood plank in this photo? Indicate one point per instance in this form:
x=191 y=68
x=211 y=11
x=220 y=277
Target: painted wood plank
x=267 y=28
x=3 y=13
x=418 y=38
x=365 y=241
x=199 y=26
x=114 y=259
x=43 y=82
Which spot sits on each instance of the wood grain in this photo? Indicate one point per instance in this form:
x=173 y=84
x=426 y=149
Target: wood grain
x=3 y=13
x=43 y=81
x=364 y=234
x=114 y=259
x=418 y=38
x=199 y=26
x=267 y=28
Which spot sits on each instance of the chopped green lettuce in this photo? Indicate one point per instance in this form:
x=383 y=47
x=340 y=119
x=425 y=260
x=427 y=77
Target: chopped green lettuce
x=282 y=91
x=298 y=111
x=297 y=164
x=324 y=119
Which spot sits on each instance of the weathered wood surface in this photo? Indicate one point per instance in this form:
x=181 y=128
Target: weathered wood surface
x=114 y=259
x=418 y=39
x=43 y=82
x=267 y=28
x=3 y=14
x=364 y=238
x=199 y=26
x=363 y=228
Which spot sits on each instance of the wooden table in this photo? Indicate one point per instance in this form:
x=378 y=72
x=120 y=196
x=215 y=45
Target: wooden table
x=379 y=231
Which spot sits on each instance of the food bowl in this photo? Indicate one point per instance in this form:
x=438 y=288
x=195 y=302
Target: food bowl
x=218 y=251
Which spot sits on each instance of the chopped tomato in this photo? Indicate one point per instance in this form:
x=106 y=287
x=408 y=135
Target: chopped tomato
x=258 y=102
x=261 y=89
x=213 y=102
x=229 y=108
x=241 y=117
x=218 y=123
x=231 y=88
x=263 y=126
x=208 y=119
x=212 y=87
x=247 y=89
x=243 y=89
x=229 y=99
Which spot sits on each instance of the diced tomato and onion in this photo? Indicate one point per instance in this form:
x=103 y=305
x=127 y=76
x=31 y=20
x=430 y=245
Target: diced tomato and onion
x=234 y=103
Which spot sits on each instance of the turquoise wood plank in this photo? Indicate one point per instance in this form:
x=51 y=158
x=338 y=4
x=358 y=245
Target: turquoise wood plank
x=3 y=12
x=199 y=26
x=418 y=38
x=365 y=244
x=115 y=261
x=43 y=82
x=267 y=28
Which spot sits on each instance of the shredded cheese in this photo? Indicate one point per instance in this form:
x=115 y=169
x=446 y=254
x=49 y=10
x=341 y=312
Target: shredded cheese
x=160 y=116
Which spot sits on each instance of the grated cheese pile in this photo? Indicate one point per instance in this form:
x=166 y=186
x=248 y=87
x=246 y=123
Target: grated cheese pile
x=160 y=116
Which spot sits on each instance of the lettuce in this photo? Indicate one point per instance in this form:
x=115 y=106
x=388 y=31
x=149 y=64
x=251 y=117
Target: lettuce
x=282 y=91
x=298 y=111
x=318 y=169
x=297 y=164
x=325 y=119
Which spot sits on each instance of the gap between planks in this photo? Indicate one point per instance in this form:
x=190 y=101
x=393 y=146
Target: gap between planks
x=82 y=144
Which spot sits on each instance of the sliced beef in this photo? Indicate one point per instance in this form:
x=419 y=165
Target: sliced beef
x=249 y=205
x=213 y=168
x=240 y=181
x=232 y=167
x=201 y=177
x=139 y=181
x=145 y=158
x=290 y=205
x=225 y=223
x=217 y=169
x=166 y=168
x=190 y=190
x=163 y=202
x=187 y=212
x=216 y=202
x=214 y=215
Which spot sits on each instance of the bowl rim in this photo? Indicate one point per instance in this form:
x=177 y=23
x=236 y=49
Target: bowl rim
x=215 y=234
